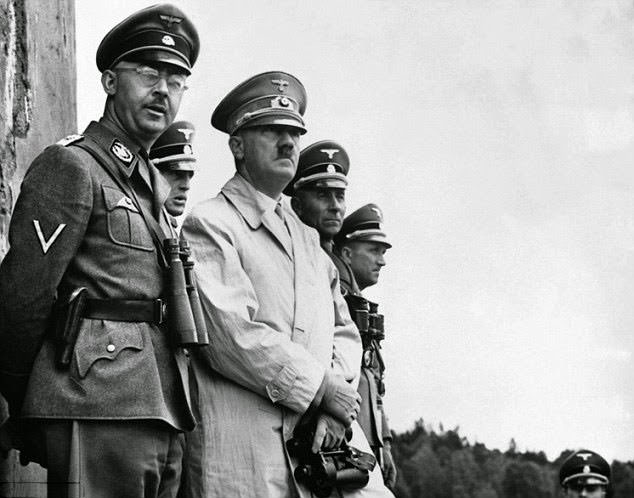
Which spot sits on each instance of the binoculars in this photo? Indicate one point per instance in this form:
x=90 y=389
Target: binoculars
x=367 y=318
x=184 y=311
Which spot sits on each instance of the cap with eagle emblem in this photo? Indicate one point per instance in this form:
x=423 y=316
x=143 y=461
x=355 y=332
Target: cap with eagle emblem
x=271 y=98
x=323 y=164
x=365 y=225
x=584 y=467
x=173 y=149
x=160 y=33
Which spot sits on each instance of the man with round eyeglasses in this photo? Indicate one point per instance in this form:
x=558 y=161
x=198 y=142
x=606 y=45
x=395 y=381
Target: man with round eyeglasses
x=585 y=474
x=95 y=377
x=150 y=76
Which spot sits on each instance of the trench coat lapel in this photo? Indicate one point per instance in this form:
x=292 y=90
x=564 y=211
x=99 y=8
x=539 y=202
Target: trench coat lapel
x=302 y=266
x=275 y=225
x=257 y=210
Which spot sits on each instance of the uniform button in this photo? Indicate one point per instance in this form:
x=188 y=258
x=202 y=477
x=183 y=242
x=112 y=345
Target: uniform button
x=275 y=393
x=110 y=348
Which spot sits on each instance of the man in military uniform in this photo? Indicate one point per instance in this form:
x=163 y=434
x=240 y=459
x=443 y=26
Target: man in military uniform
x=95 y=380
x=318 y=193
x=361 y=243
x=283 y=341
x=585 y=474
x=173 y=155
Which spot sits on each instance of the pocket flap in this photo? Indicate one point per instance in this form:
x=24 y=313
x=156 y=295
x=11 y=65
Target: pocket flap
x=114 y=198
x=106 y=342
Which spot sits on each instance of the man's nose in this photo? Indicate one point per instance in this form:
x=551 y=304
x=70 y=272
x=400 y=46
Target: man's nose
x=335 y=204
x=286 y=139
x=161 y=86
x=185 y=183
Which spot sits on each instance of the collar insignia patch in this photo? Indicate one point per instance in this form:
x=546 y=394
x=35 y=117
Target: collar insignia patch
x=122 y=152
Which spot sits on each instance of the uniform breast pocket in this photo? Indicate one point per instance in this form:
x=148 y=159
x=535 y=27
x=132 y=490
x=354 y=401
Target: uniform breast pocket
x=125 y=224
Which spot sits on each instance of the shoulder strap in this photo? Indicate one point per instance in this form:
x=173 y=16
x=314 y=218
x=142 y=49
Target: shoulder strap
x=124 y=184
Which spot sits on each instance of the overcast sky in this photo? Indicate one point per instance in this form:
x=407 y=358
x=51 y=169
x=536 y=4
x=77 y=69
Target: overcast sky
x=498 y=138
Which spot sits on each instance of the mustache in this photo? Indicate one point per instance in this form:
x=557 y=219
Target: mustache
x=285 y=152
x=158 y=101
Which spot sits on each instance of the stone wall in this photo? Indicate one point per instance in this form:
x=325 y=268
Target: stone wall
x=37 y=107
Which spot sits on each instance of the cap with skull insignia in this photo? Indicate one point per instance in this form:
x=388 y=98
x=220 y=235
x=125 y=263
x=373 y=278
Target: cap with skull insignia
x=173 y=149
x=323 y=164
x=584 y=467
x=365 y=225
x=160 y=33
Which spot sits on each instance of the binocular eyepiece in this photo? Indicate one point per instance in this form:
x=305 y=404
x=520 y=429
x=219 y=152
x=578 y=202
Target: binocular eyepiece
x=366 y=317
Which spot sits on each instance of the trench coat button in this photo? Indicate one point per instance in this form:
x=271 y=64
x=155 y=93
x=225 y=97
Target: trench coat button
x=110 y=348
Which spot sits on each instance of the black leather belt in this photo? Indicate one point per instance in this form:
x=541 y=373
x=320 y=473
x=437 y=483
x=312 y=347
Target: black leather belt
x=126 y=310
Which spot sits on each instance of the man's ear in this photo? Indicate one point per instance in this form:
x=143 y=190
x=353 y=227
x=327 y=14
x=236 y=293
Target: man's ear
x=346 y=254
x=236 y=144
x=109 y=82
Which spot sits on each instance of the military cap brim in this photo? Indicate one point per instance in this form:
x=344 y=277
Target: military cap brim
x=368 y=236
x=184 y=164
x=271 y=98
x=160 y=33
x=586 y=479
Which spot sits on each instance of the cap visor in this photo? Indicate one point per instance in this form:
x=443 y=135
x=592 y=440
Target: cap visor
x=162 y=56
x=276 y=119
x=322 y=183
x=176 y=165
x=376 y=238
x=371 y=237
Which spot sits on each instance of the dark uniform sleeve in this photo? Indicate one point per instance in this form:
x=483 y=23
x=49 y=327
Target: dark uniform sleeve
x=47 y=227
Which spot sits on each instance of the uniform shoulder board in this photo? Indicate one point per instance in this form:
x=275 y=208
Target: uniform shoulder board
x=70 y=139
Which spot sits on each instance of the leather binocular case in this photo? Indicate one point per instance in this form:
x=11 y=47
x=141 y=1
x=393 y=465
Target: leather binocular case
x=184 y=312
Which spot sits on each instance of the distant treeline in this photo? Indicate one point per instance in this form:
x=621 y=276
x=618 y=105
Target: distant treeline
x=443 y=464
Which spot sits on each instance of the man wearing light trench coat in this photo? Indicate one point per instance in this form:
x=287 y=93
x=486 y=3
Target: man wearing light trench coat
x=281 y=336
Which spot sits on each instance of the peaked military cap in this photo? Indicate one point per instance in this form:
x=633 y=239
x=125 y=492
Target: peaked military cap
x=363 y=225
x=272 y=98
x=584 y=467
x=173 y=150
x=323 y=164
x=160 y=33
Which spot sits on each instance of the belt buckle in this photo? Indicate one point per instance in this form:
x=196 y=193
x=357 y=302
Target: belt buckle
x=160 y=310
